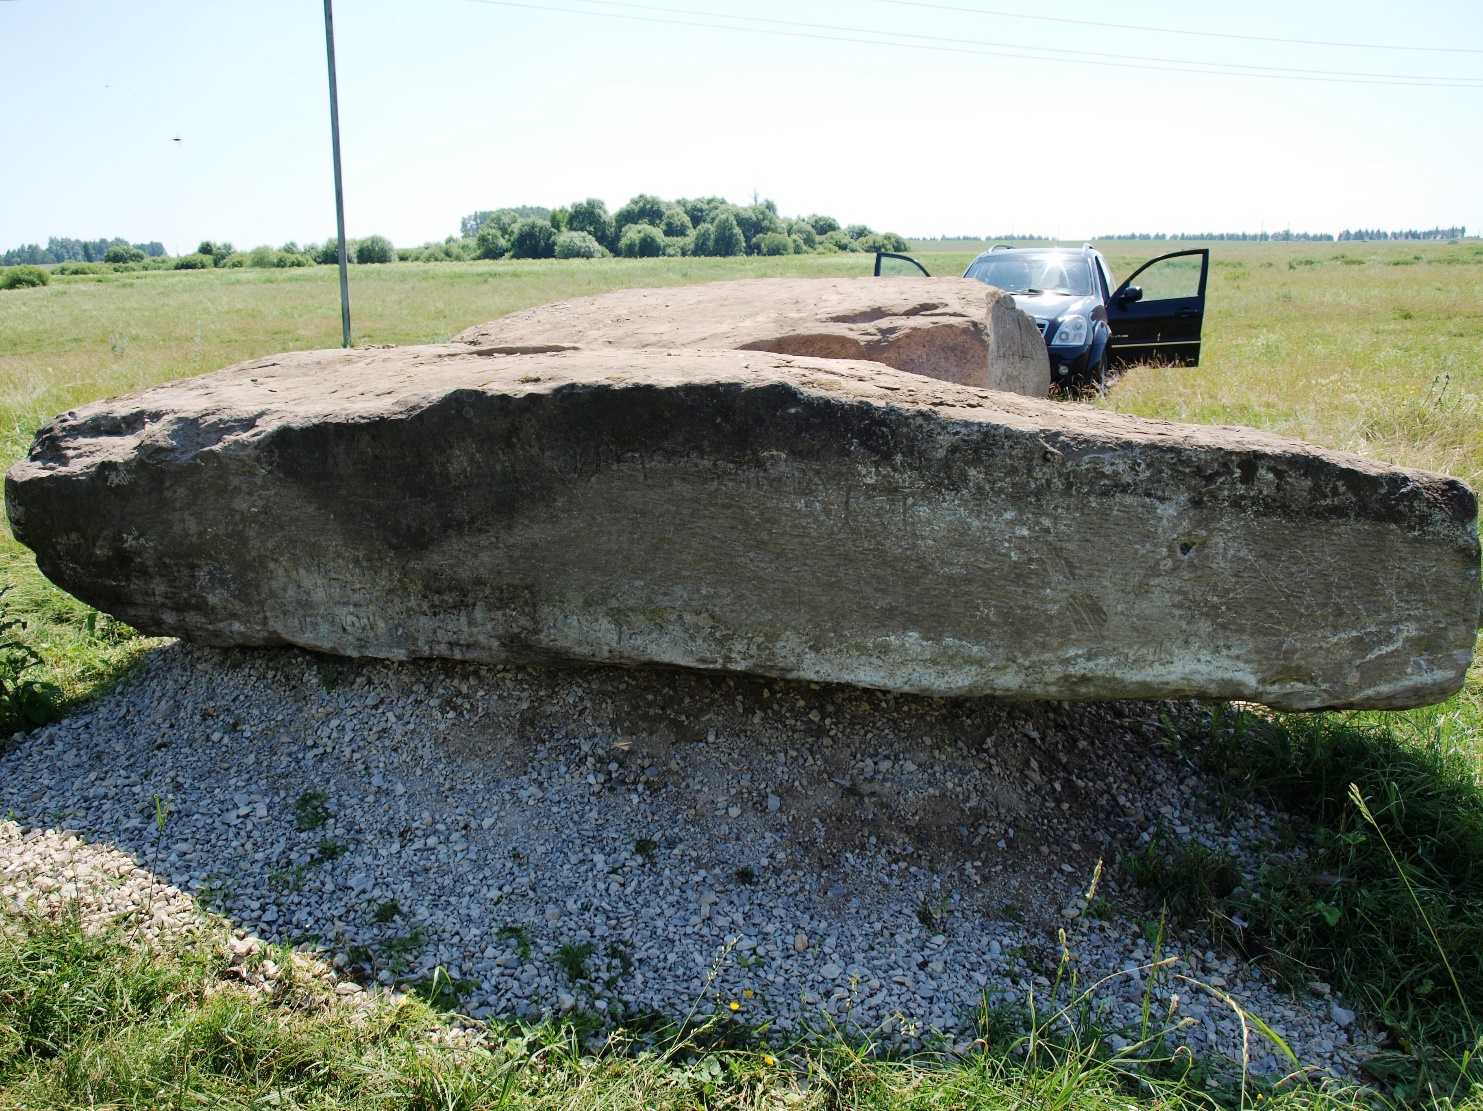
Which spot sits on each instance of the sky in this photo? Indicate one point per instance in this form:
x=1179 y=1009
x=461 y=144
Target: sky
x=180 y=121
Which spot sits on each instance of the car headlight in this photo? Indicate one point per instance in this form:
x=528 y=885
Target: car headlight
x=1072 y=332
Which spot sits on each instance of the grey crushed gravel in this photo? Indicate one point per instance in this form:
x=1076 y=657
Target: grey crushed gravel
x=684 y=842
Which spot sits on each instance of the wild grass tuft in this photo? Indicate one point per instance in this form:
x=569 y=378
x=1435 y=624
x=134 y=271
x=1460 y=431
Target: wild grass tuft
x=1387 y=903
x=95 y=1022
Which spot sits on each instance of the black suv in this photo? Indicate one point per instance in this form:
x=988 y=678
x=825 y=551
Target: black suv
x=1091 y=324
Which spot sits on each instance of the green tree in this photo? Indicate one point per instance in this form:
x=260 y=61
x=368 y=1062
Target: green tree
x=839 y=241
x=123 y=253
x=803 y=231
x=726 y=237
x=702 y=210
x=374 y=248
x=773 y=243
x=592 y=217
x=490 y=242
x=533 y=238
x=217 y=251
x=577 y=244
x=676 y=222
x=642 y=209
x=641 y=241
x=882 y=241
x=756 y=220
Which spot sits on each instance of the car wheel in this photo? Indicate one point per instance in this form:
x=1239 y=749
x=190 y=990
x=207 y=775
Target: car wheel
x=1097 y=374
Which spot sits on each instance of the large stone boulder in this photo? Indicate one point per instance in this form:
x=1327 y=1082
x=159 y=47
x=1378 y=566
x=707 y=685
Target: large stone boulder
x=831 y=520
x=954 y=329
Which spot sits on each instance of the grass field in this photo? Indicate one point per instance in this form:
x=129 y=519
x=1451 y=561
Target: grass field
x=1372 y=348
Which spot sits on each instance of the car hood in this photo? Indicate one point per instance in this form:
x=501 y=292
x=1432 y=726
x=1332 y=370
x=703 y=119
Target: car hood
x=1053 y=306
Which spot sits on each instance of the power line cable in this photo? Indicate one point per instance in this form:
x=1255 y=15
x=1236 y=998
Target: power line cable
x=1025 y=53
x=1181 y=31
x=1305 y=71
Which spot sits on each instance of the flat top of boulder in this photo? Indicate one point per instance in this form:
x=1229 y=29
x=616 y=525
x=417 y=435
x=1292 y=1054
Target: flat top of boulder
x=731 y=315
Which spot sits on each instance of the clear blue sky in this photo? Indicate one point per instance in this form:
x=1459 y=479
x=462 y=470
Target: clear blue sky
x=453 y=105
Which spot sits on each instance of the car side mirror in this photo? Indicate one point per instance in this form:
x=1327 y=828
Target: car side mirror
x=1130 y=295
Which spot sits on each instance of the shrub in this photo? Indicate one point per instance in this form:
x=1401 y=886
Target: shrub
x=882 y=241
x=263 y=258
x=577 y=244
x=799 y=246
x=235 y=262
x=726 y=237
x=490 y=242
x=561 y=218
x=122 y=252
x=676 y=222
x=642 y=209
x=858 y=231
x=823 y=225
x=839 y=241
x=592 y=217
x=803 y=231
x=198 y=261
x=533 y=238
x=69 y=268
x=22 y=277
x=374 y=249
x=451 y=251
x=641 y=241
x=774 y=243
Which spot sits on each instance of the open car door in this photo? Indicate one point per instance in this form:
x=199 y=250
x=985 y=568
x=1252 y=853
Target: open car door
x=1159 y=319
x=888 y=264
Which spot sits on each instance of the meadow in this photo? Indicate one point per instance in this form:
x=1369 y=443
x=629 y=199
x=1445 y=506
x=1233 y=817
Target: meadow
x=1373 y=348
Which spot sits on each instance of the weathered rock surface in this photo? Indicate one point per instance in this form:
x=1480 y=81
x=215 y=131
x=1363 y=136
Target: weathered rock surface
x=954 y=329
x=822 y=519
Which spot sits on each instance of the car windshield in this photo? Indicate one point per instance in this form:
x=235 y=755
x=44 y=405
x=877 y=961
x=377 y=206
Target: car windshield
x=1041 y=271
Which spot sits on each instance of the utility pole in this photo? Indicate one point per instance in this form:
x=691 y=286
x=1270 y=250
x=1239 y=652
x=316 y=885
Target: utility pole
x=329 y=47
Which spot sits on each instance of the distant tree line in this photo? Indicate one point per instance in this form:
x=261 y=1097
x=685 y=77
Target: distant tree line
x=1375 y=233
x=121 y=256
x=1232 y=236
x=650 y=227
x=73 y=250
x=1297 y=236
x=1016 y=238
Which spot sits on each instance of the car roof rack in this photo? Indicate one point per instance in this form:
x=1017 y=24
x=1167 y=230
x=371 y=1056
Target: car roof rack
x=1003 y=247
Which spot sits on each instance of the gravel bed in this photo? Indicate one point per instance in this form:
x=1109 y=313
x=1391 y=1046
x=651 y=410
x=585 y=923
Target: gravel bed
x=628 y=843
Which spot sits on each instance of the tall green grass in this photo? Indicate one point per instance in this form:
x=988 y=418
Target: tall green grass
x=98 y=1021
x=1387 y=902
